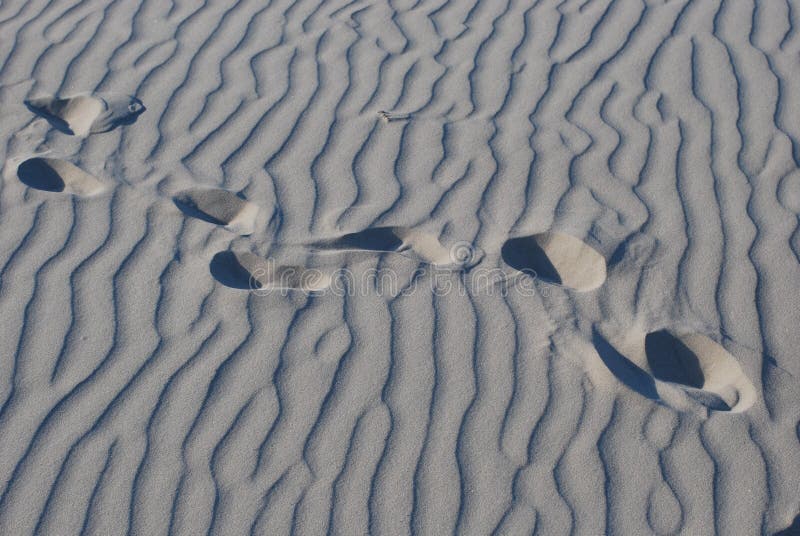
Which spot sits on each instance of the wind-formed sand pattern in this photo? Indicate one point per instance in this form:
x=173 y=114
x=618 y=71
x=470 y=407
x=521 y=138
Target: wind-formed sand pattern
x=589 y=208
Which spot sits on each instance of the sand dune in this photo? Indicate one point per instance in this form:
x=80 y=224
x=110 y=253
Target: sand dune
x=196 y=369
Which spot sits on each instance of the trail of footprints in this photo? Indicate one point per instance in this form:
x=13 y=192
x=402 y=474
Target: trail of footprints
x=680 y=370
x=79 y=115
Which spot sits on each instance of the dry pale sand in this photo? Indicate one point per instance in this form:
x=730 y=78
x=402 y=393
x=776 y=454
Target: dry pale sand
x=400 y=266
x=219 y=207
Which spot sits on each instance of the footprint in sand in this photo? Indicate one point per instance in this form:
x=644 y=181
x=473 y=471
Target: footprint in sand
x=54 y=175
x=681 y=371
x=81 y=115
x=244 y=270
x=557 y=258
x=409 y=242
x=220 y=207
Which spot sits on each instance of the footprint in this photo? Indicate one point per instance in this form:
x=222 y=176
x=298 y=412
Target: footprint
x=680 y=371
x=220 y=207
x=670 y=360
x=54 y=175
x=638 y=252
x=557 y=258
x=413 y=243
x=791 y=530
x=705 y=370
x=244 y=270
x=82 y=115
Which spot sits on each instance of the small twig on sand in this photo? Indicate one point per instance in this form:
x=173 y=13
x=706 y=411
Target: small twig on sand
x=389 y=116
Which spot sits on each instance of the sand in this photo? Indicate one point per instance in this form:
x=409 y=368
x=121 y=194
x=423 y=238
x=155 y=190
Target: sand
x=557 y=258
x=55 y=175
x=219 y=207
x=81 y=115
x=399 y=267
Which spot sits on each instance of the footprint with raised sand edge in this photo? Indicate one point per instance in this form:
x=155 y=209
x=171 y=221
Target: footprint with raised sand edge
x=220 y=207
x=81 y=115
x=557 y=258
x=679 y=370
x=55 y=175
x=247 y=271
x=409 y=242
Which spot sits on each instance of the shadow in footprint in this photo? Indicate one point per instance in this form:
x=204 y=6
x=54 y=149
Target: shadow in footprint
x=246 y=271
x=226 y=268
x=39 y=107
x=671 y=361
x=36 y=173
x=412 y=243
x=624 y=369
x=374 y=239
x=557 y=258
x=526 y=255
x=196 y=213
x=791 y=530
x=682 y=371
x=54 y=175
x=82 y=115
x=220 y=207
